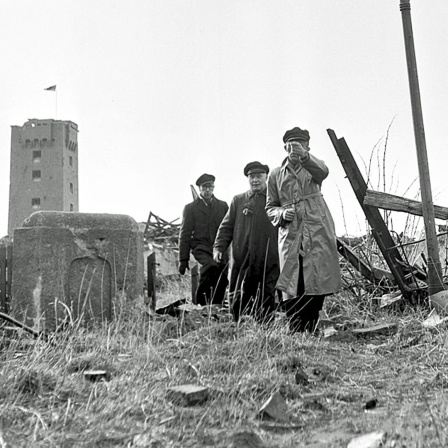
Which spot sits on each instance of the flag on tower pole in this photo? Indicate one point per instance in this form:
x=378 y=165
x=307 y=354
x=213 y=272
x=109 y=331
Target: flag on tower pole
x=53 y=89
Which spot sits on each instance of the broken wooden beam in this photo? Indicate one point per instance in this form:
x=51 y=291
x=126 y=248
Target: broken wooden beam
x=374 y=275
x=399 y=204
x=379 y=229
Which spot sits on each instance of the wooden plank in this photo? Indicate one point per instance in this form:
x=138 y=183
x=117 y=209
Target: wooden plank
x=379 y=229
x=3 y=278
x=399 y=204
x=374 y=276
x=376 y=329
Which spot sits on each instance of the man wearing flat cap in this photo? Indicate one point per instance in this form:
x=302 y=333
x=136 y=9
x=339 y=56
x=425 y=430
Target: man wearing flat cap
x=200 y=221
x=254 y=264
x=309 y=260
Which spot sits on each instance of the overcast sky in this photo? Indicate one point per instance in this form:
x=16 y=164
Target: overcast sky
x=165 y=90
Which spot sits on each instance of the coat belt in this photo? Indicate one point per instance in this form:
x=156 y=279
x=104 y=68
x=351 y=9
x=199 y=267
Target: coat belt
x=303 y=198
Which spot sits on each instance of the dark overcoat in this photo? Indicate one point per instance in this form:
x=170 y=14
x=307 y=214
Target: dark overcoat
x=254 y=244
x=311 y=234
x=200 y=223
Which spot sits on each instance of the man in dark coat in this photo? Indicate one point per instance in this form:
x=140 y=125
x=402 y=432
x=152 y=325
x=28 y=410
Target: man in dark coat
x=309 y=259
x=200 y=221
x=254 y=264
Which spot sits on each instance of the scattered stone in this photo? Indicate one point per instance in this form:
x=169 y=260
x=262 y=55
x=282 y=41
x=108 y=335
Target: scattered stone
x=314 y=406
x=433 y=319
x=371 y=404
x=329 y=331
x=274 y=408
x=376 y=329
x=388 y=299
x=187 y=394
x=301 y=377
x=96 y=375
x=317 y=374
x=439 y=301
x=371 y=440
x=246 y=439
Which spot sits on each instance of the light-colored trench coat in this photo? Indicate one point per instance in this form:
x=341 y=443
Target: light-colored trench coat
x=310 y=234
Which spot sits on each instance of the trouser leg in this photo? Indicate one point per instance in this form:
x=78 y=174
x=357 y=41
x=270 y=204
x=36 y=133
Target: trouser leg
x=251 y=302
x=212 y=286
x=303 y=312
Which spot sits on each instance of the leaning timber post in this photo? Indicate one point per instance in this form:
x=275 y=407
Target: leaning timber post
x=151 y=280
x=379 y=229
x=435 y=282
x=3 y=281
x=8 y=276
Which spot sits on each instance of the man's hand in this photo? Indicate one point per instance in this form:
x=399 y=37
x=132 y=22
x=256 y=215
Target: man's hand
x=217 y=256
x=297 y=148
x=288 y=214
x=182 y=266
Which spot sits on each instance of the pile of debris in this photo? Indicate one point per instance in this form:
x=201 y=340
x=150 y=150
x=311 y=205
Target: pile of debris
x=161 y=239
x=159 y=230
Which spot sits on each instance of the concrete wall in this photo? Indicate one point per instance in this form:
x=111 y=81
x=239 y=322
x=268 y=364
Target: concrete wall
x=81 y=260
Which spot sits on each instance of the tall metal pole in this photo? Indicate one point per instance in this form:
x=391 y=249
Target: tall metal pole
x=435 y=283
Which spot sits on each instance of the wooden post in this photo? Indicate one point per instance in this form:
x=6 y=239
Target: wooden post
x=3 y=282
x=8 y=275
x=151 y=272
x=435 y=283
x=194 y=283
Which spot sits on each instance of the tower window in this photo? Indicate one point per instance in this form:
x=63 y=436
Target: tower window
x=27 y=143
x=36 y=156
x=36 y=175
x=70 y=161
x=71 y=207
x=35 y=203
x=71 y=187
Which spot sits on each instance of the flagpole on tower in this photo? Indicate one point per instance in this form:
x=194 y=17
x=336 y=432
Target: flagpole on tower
x=53 y=89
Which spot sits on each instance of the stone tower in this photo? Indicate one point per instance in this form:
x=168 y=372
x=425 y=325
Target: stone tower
x=44 y=169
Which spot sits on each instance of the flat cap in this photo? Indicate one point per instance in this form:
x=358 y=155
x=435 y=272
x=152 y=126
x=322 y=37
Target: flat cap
x=205 y=178
x=296 y=134
x=255 y=167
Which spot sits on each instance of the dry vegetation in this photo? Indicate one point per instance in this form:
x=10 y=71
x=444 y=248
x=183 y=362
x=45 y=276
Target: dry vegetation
x=46 y=402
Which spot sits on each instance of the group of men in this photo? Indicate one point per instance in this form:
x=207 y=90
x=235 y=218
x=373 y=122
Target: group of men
x=280 y=235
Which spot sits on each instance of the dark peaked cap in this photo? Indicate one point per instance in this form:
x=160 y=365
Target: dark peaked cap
x=296 y=134
x=204 y=179
x=255 y=167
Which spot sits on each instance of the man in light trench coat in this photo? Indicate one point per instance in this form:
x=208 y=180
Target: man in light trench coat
x=309 y=260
